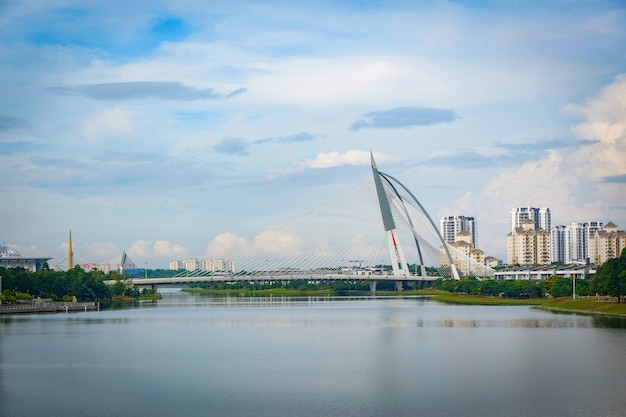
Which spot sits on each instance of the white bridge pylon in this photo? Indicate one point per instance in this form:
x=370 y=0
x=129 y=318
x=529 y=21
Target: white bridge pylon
x=391 y=189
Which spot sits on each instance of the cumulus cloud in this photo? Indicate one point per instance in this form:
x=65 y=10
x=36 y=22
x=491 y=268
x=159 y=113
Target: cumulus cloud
x=232 y=146
x=350 y=157
x=139 y=247
x=224 y=244
x=146 y=248
x=403 y=117
x=141 y=90
x=276 y=242
x=271 y=242
x=99 y=251
x=167 y=248
x=271 y=246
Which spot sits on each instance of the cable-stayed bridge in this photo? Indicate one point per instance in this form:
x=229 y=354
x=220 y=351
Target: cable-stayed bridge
x=355 y=236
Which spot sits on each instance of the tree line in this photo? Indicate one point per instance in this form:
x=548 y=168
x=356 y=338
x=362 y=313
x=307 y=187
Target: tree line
x=57 y=285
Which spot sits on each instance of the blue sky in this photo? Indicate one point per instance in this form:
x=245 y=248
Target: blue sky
x=158 y=127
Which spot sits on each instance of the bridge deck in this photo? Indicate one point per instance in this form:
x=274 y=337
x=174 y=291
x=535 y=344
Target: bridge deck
x=267 y=278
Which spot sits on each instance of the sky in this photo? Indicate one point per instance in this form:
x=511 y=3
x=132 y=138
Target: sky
x=161 y=128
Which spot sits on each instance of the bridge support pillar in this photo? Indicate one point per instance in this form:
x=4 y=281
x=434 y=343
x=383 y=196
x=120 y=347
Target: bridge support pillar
x=398 y=285
x=154 y=288
x=373 y=286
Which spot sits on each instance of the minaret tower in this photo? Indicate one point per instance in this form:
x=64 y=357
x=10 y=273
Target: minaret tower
x=70 y=254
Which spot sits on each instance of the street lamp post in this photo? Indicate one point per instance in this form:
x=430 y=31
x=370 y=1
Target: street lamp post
x=574 y=287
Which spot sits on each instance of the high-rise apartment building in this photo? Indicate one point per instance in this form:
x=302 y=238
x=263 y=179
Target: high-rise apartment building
x=541 y=217
x=606 y=244
x=203 y=264
x=590 y=230
x=577 y=237
x=466 y=257
x=450 y=226
x=557 y=244
x=528 y=245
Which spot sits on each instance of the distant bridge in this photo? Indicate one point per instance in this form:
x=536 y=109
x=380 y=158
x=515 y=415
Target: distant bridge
x=321 y=244
x=372 y=279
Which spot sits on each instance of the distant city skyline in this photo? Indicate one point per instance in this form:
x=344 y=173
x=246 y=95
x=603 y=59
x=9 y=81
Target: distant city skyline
x=177 y=129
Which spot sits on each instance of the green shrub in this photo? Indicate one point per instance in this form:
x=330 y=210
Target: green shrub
x=23 y=296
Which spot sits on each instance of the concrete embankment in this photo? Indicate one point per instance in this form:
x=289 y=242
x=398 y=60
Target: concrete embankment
x=47 y=308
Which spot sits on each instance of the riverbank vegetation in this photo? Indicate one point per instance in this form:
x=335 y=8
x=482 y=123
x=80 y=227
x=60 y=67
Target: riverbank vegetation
x=19 y=283
x=595 y=305
x=610 y=278
x=604 y=293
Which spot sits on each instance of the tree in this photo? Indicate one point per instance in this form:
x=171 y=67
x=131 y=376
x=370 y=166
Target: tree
x=610 y=278
x=118 y=288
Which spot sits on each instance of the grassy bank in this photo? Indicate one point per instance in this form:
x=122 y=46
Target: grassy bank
x=580 y=305
x=585 y=305
x=497 y=301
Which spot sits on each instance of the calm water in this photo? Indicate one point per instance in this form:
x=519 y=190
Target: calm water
x=194 y=355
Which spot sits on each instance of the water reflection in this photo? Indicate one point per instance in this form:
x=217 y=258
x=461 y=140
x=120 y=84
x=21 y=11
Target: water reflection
x=323 y=311
x=521 y=323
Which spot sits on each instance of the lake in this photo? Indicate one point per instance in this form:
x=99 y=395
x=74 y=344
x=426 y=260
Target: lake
x=199 y=355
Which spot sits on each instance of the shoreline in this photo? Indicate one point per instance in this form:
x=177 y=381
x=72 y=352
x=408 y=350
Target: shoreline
x=49 y=308
x=584 y=312
x=587 y=306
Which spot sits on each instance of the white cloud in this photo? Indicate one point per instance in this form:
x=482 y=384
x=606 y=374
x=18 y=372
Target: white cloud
x=605 y=121
x=350 y=157
x=271 y=242
x=140 y=248
x=270 y=249
x=225 y=243
x=167 y=248
x=112 y=120
x=277 y=242
x=100 y=251
x=160 y=248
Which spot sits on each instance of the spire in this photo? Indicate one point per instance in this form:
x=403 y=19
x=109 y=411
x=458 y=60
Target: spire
x=70 y=253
